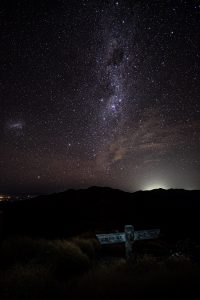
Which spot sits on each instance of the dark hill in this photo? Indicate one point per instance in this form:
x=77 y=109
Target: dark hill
x=176 y=212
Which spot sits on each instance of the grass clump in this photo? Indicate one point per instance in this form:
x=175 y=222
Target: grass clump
x=65 y=259
x=28 y=281
x=147 y=277
x=90 y=246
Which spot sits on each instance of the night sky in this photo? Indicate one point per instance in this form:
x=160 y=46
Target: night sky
x=99 y=93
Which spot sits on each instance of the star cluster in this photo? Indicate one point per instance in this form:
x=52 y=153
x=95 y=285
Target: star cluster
x=99 y=93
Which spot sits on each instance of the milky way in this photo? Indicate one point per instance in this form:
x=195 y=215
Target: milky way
x=98 y=93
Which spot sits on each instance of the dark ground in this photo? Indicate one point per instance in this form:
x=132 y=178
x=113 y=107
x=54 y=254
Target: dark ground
x=41 y=256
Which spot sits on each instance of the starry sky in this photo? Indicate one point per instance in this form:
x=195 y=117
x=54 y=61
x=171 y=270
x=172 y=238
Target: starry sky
x=99 y=93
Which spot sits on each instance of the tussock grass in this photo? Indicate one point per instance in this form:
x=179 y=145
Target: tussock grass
x=90 y=246
x=73 y=269
x=28 y=282
x=145 y=278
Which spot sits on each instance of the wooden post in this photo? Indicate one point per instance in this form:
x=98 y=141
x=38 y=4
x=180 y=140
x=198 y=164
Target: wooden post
x=129 y=240
x=1 y=224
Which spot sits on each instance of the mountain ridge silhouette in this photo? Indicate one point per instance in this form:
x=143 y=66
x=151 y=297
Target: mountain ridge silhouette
x=175 y=211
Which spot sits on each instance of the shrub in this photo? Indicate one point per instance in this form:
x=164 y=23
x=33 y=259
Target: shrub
x=61 y=257
x=65 y=259
x=152 y=248
x=28 y=282
x=90 y=247
x=147 y=277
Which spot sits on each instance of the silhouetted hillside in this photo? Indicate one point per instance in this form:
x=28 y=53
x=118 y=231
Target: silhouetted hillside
x=176 y=212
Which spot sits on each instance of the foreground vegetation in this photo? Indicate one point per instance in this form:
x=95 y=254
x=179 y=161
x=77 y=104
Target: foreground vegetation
x=73 y=269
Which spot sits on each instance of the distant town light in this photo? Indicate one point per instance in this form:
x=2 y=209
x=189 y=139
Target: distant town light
x=4 y=197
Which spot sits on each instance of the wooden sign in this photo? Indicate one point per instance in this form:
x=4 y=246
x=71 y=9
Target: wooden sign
x=146 y=234
x=128 y=237
x=111 y=238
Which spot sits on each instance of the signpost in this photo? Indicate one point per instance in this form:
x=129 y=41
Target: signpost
x=111 y=238
x=128 y=237
x=129 y=240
